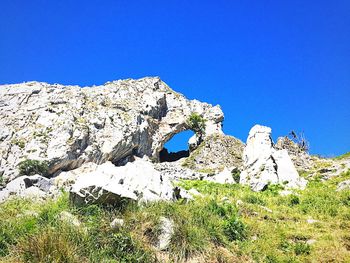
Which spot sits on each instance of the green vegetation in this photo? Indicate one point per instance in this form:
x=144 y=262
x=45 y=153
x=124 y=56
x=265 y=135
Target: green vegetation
x=236 y=175
x=197 y=124
x=230 y=223
x=343 y=156
x=2 y=181
x=19 y=142
x=31 y=167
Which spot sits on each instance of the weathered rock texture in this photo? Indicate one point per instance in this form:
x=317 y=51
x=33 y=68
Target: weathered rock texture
x=136 y=181
x=264 y=165
x=301 y=159
x=68 y=125
x=216 y=152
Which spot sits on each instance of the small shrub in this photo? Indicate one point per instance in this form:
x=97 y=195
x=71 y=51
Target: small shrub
x=31 y=167
x=48 y=245
x=273 y=188
x=294 y=200
x=235 y=229
x=2 y=181
x=236 y=175
x=125 y=249
x=301 y=248
x=197 y=124
x=19 y=142
x=253 y=199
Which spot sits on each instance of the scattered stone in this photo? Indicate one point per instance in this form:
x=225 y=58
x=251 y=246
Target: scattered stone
x=166 y=232
x=69 y=218
x=312 y=221
x=266 y=209
x=225 y=199
x=345 y=185
x=117 y=223
x=311 y=241
x=34 y=186
x=239 y=202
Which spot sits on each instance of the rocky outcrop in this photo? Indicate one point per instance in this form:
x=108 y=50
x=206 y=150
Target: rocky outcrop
x=34 y=186
x=264 y=165
x=216 y=152
x=69 y=125
x=300 y=158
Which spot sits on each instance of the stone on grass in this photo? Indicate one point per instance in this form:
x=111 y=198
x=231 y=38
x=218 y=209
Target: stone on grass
x=166 y=232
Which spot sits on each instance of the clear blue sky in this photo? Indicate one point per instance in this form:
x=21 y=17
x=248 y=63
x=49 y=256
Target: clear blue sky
x=285 y=64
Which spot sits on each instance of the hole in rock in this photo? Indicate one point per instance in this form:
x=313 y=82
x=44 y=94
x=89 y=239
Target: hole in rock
x=176 y=148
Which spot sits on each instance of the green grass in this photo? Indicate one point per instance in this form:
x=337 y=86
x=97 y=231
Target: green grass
x=230 y=223
x=343 y=156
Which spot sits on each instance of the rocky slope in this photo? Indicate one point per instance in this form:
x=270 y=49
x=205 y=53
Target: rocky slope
x=104 y=142
x=68 y=125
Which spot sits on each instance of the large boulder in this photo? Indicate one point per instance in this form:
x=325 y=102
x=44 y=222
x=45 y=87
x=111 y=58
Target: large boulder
x=264 y=165
x=109 y=184
x=69 y=125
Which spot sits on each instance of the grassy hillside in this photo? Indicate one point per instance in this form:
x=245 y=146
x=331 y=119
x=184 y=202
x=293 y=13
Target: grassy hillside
x=229 y=223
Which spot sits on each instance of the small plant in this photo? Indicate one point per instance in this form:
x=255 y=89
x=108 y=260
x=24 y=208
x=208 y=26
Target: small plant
x=2 y=181
x=253 y=199
x=31 y=167
x=294 y=200
x=234 y=229
x=300 y=140
x=274 y=188
x=236 y=175
x=301 y=248
x=19 y=142
x=197 y=124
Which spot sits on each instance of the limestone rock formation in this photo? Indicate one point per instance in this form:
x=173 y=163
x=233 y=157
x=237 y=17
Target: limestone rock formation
x=264 y=165
x=136 y=181
x=69 y=125
x=216 y=152
x=301 y=159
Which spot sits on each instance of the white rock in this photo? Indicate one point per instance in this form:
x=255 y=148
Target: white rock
x=312 y=221
x=311 y=241
x=136 y=181
x=264 y=165
x=345 y=185
x=4 y=195
x=33 y=192
x=239 y=202
x=117 y=223
x=166 y=232
x=69 y=218
x=224 y=177
x=18 y=185
x=69 y=125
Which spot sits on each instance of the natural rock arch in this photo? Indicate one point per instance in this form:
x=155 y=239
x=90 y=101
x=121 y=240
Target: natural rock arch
x=168 y=155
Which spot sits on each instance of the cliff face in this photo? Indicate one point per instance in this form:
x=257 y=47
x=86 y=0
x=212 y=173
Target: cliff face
x=67 y=126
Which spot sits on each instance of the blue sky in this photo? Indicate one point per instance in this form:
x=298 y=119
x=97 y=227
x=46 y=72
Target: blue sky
x=285 y=64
